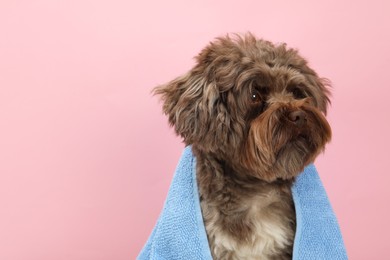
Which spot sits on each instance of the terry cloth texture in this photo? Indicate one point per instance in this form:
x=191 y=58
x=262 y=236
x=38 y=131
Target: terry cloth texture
x=179 y=233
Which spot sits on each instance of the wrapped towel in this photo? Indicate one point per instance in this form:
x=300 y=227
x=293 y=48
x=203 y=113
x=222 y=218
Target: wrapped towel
x=180 y=233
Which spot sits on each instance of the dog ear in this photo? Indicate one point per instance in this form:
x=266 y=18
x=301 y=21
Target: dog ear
x=187 y=102
x=322 y=95
x=200 y=105
x=320 y=87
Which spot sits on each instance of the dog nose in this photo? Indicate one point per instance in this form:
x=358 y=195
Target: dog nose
x=298 y=117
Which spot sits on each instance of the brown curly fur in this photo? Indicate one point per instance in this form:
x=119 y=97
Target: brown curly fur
x=253 y=112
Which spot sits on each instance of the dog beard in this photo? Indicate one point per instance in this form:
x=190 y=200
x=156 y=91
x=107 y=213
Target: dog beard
x=280 y=145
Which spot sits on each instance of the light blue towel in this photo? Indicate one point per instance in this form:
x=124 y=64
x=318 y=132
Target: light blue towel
x=180 y=233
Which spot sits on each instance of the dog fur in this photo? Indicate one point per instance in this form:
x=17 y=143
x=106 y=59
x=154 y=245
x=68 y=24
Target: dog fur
x=254 y=113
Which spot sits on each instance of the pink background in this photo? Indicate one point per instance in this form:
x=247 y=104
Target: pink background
x=86 y=156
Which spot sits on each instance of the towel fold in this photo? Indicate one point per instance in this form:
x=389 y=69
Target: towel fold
x=180 y=233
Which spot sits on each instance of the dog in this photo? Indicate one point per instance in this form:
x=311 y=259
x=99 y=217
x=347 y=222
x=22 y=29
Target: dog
x=254 y=113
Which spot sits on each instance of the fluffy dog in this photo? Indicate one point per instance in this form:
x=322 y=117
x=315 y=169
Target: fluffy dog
x=253 y=112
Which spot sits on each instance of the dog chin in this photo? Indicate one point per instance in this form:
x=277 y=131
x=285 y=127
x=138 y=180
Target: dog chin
x=295 y=155
x=298 y=151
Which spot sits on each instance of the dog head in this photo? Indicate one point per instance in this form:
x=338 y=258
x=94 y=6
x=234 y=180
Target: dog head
x=255 y=105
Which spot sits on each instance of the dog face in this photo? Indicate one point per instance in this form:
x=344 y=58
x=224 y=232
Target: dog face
x=252 y=104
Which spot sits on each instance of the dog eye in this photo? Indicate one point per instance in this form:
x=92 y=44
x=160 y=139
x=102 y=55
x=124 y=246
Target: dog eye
x=258 y=94
x=255 y=96
x=298 y=93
